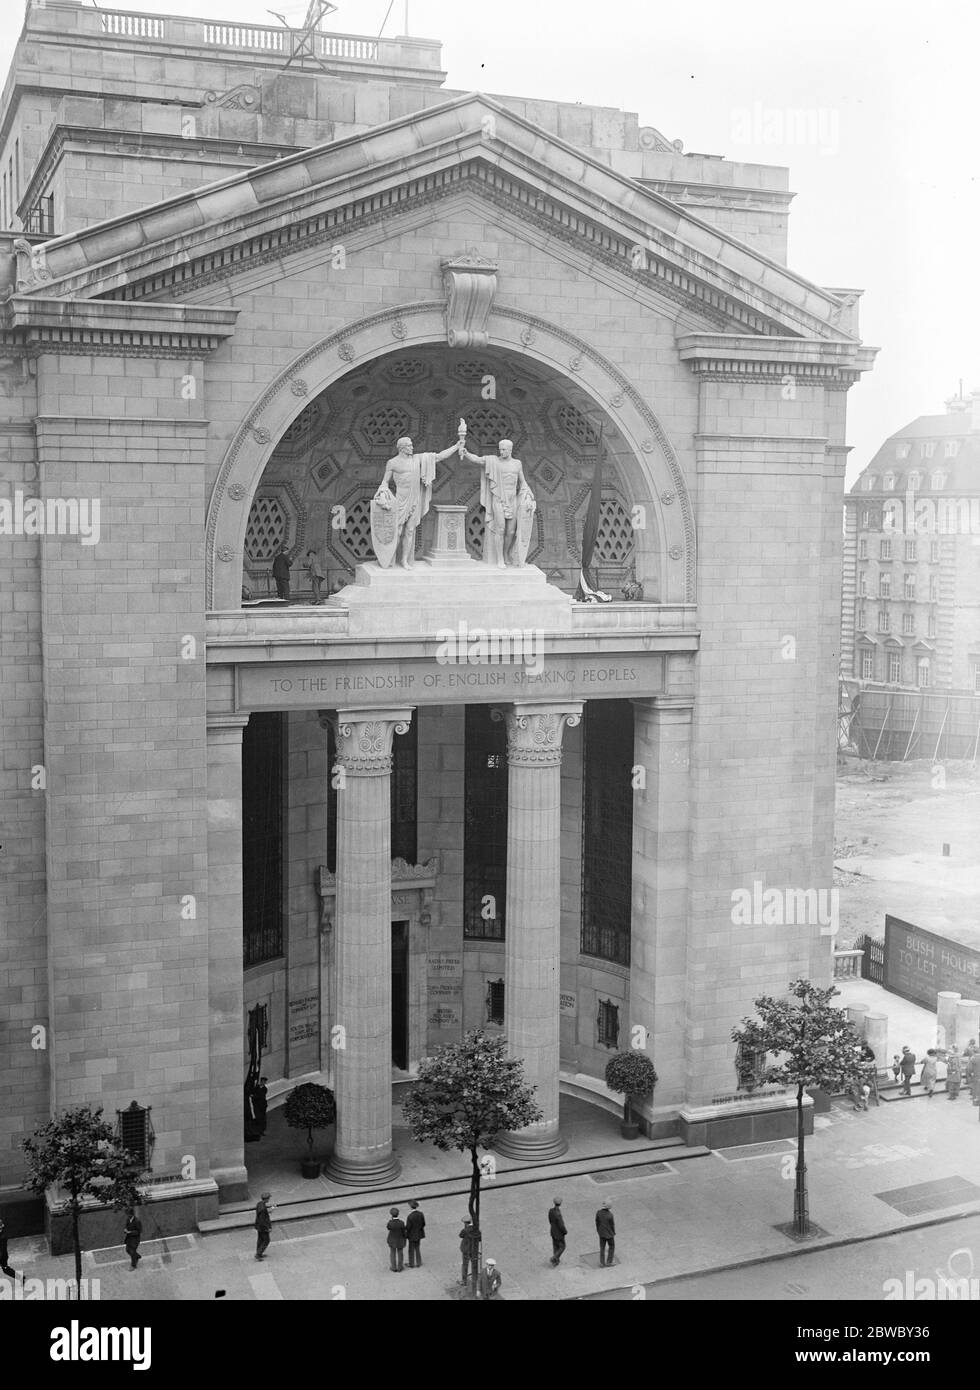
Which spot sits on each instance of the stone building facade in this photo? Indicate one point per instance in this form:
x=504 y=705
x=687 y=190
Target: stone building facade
x=911 y=595
x=228 y=288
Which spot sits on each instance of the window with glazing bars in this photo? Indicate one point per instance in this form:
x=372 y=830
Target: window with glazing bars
x=262 y=794
x=495 y=1001
x=607 y=830
x=134 y=1131
x=484 y=826
x=404 y=796
x=607 y=1024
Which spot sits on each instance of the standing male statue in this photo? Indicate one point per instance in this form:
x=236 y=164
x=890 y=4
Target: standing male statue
x=508 y=502
x=395 y=517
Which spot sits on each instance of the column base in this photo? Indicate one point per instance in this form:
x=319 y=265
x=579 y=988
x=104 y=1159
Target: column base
x=529 y=1148
x=232 y=1183
x=355 y=1172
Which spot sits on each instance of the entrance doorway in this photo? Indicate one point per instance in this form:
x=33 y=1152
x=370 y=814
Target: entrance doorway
x=399 y=995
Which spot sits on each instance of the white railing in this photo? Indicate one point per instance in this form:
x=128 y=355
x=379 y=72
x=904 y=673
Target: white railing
x=847 y=965
x=348 y=46
x=253 y=36
x=143 y=26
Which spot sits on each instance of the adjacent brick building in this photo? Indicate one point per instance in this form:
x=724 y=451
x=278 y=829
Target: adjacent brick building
x=229 y=287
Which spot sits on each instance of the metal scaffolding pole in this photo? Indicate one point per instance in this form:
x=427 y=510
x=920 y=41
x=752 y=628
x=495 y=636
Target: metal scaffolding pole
x=912 y=734
x=888 y=711
x=941 y=728
x=976 y=743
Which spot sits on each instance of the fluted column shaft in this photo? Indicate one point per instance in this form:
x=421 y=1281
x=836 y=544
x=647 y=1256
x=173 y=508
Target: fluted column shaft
x=361 y=1030
x=532 y=919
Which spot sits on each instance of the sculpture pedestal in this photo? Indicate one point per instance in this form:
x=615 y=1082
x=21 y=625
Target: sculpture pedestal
x=448 y=587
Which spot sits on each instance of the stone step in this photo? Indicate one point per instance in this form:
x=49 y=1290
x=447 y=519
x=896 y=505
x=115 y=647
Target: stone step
x=239 y=1215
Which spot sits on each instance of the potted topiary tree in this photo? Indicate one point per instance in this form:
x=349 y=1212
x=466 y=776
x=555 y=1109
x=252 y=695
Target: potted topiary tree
x=310 y=1107
x=631 y=1074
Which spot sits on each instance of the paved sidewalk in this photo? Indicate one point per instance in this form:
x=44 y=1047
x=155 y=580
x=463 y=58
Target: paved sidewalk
x=697 y=1214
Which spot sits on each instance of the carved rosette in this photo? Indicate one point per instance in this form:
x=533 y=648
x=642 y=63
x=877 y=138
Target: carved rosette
x=471 y=283
x=364 y=745
x=534 y=737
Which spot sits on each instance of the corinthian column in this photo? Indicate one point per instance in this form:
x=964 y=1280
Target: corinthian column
x=532 y=919
x=361 y=1029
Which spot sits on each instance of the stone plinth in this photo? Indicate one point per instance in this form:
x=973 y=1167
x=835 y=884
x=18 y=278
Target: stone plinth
x=967 y=1022
x=876 y=1036
x=856 y=1015
x=448 y=587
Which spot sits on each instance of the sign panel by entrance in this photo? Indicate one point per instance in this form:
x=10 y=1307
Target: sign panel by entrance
x=919 y=964
x=362 y=684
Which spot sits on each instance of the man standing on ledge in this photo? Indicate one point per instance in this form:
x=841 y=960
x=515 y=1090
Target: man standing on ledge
x=280 y=573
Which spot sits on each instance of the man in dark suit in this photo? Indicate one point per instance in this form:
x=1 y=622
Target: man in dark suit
x=907 y=1067
x=134 y=1234
x=280 y=572
x=396 y=1242
x=469 y=1249
x=606 y=1226
x=263 y=1225
x=490 y=1281
x=415 y=1234
x=558 y=1231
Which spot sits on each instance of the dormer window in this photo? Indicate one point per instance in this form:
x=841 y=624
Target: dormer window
x=869 y=483
x=952 y=448
x=914 y=481
x=927 y=449
x=939 y=480
x=888 y=482
x=902 y=449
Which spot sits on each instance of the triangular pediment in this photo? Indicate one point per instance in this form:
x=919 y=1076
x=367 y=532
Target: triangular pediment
x=175 y=249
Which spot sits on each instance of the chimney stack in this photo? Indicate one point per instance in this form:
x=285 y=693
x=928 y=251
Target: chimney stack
x=975 y=412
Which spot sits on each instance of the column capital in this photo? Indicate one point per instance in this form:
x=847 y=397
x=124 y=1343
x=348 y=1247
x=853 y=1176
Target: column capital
x=534 y=731
x=226 y=727
x=365 y=736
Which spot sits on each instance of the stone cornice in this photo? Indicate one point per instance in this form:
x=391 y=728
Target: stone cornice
x=806 y=361
x=31 y=325
x=177 y=245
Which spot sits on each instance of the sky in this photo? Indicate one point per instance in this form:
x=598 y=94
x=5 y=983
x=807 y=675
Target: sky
x=884 y=167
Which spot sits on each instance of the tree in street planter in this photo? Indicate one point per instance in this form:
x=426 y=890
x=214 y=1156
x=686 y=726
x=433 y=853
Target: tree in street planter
x=815 y=1046
x=79 y=1153
x=310 y=1107
x=631 y=1074
x=465 y=1095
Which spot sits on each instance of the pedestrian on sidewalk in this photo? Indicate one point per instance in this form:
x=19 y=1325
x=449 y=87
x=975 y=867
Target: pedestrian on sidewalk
x=134 y=1234
x=415 y=1234
x=469 y=1249
x=490 y=1281
x=605 y=1224
x=954 y=1074
x=4 y=1252
x=263 y=1225
x=558 y=1231
x=973 y=1073
x=908 y=1062
x=929 y=1072
x=396 y=1242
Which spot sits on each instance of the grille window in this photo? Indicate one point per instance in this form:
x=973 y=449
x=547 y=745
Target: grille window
x=384 y=424
x=750 y=1066
x=614 y=536
x=495 y=1001
x=266 y=532
x=262 y=758
x=576 y=426
x=607 y=831
x=607 y=1024
x=134 y=1130
x=485 y=826
x=357 y=532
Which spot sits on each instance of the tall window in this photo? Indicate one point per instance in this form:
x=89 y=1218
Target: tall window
x=884 y=621
x=910 y=586
x=884 y=586
x=134 y=1130
x=923 y=672
x=262 y=795
x=862 y=549
x=934 y=552
x=931 y=625
x=484 y=825
x=867 y=664
x=862 y=617
x=607 y=830
x=863 y=583
x=908 y=624
x=885 y=550
x=404 y=796
x=607 y=1024
x=910 y=551
x=895 y=668
x=933 y=589
x=976 y=674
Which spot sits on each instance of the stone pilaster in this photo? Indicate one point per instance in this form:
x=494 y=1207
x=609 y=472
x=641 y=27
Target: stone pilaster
x=533 y=913
x=661 y=800
x=225 y=970
x=362 y=943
